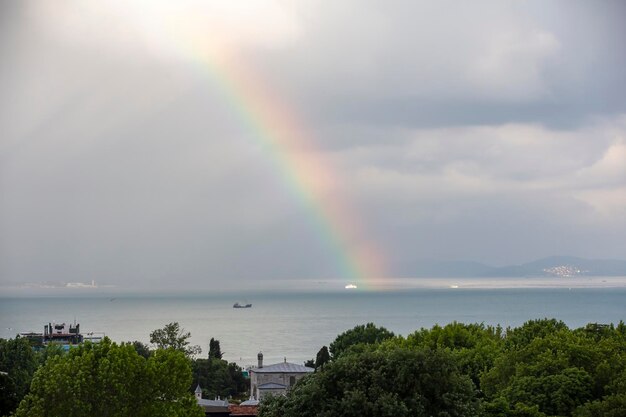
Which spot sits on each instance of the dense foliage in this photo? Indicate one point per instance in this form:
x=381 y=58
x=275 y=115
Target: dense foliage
x=368 y=334
x=219 y=378
x=107 y=379
x=18 y=363
x=539 y=369
x=562 y=372
x=114 y=380
x=395 y=382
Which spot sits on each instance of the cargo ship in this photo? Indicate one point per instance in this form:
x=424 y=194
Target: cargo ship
x=238 y=305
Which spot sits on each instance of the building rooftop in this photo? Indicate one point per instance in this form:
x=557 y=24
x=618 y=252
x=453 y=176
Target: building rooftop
x=284 y=367
x=212 y=403
x=216 y=405
x=244 y=409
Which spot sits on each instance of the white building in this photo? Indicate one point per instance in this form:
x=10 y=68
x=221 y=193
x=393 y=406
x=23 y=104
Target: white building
x=275 y=379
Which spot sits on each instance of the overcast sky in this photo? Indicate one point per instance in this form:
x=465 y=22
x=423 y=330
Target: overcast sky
x=486 y=131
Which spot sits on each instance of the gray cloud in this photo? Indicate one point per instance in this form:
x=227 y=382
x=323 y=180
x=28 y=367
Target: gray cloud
x=442 y=64
x=493 y=131
x=510 y=188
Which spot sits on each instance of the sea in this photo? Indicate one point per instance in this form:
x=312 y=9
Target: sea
x=295 y=325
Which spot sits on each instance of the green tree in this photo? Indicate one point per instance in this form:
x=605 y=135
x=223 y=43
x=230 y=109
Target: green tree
x=532 y=329
x=500 y=408
x=609 y=406
x=374 y=383
x=110 y=380
x=273 y=406
x=171 y=336
x=142 y=349
x=322 y=358
x=215 y=352
x=613 y=404
x=217 y=377
x=556 y=394
x=49 y=351
x=18 y=363
x=474 y=346
x=362 y=334
x=549 y=366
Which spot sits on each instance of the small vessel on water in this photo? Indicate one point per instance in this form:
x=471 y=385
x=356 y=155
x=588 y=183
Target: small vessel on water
x=238 y=305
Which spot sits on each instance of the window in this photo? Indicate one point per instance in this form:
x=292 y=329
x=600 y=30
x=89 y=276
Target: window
x=292 y=381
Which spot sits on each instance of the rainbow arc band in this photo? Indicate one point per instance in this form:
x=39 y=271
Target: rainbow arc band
x=300 y=166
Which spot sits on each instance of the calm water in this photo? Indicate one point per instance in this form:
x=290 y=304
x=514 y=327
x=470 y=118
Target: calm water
x=297 y=325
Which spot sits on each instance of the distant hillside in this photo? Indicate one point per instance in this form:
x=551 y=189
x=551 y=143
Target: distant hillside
x=562 y=266
x=552 y=266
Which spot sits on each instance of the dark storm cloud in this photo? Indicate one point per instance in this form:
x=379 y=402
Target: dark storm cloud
x=428 y=113
x=450 y=63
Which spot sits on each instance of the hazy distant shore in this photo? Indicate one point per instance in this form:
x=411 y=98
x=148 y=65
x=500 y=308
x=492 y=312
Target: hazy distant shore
x=511 y=283
x=285 y=286
x=505 y=283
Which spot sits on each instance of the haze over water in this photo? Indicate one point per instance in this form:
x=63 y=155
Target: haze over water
x=296 y=324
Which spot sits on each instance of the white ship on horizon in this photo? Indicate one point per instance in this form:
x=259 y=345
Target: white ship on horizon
x=93 y=284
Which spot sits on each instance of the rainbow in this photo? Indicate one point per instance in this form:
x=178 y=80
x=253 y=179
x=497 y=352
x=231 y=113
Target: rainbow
x=299 y=164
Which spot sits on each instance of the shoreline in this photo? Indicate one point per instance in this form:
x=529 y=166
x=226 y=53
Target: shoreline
x=304 y=287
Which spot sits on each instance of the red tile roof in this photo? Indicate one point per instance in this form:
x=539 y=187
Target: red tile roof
x=243 y=410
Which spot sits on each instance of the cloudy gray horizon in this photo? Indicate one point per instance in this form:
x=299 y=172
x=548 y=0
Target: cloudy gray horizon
x=491 y=131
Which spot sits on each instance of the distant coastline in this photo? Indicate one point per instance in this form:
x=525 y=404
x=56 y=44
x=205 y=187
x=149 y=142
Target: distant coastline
x=326 y=286
x=512 y=283
x=553 y=266
x=550 y=272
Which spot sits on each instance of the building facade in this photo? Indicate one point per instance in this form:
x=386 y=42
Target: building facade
x=275 y=379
